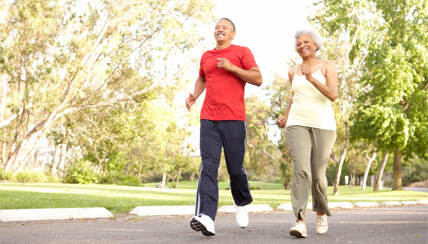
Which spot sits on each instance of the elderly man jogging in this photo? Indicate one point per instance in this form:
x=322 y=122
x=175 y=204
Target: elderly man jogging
x=223 y=74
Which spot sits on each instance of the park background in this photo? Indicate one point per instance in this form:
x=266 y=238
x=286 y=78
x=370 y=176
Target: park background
x=93 y=91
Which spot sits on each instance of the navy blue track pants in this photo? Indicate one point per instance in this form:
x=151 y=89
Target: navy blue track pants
x=215 y=135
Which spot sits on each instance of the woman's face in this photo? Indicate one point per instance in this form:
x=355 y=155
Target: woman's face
x=306 y=46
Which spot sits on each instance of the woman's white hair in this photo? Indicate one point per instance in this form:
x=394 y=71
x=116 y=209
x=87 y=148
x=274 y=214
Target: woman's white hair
x=310 y=32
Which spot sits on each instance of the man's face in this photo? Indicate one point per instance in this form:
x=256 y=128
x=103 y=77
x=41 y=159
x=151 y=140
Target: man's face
x=224 y=31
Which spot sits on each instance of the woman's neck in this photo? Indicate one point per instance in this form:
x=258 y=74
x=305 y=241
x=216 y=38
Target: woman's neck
x=310 y=60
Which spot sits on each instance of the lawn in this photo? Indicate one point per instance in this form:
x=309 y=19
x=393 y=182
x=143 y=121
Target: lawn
x=120 y=199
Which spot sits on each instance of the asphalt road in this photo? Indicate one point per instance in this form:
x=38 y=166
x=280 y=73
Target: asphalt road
x=377 y=225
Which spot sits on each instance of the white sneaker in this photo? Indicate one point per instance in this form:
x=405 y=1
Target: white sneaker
x=299 y=230
x=322 y=225
x=203 y=223
x=241 y=216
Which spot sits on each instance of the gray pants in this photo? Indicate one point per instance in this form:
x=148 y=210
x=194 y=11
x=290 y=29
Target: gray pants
x=310 y=150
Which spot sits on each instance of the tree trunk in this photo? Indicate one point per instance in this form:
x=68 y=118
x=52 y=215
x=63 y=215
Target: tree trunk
x=287 y=185
x=178 y=178
x=380 y=173
x=338 y=173
x=163 y=180
x=62 y=160
x=366 y=172
x=2 y=109
x=342 y=159
x=55 y=161
x=396 y=182
x=27 y=145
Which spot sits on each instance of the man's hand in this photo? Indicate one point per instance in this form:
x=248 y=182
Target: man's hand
x=224 y=63
x=190 y=101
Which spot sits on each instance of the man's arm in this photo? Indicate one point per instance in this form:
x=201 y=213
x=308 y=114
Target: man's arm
x=199 y=89
x=252 y=76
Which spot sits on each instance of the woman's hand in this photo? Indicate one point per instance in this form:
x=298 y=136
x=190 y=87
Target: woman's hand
x=306 y=71
x=281 y=122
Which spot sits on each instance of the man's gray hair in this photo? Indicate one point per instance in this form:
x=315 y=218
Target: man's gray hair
x=310 y=32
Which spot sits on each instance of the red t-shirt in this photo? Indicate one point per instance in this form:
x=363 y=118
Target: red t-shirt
x=224 y=97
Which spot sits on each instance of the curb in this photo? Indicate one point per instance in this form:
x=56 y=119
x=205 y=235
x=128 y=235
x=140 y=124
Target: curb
x=53 y=213
x=85 y=213
x=163 y=210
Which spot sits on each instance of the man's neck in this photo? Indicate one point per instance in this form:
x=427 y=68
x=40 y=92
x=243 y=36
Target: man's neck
x=221 y=46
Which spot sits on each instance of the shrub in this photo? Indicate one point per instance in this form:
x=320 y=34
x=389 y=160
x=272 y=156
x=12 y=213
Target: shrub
x=4 y=175
x=30 y=177
x=130 y=180
x=81 y=173
x=416 y=171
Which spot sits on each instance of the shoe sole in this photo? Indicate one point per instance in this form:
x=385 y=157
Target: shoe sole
x=321 y=233
x=198 y=226
x=297 y=234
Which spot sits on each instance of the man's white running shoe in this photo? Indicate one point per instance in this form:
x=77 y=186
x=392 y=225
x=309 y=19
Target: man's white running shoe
x=203 y=223
x=299 y=230
x=322 y=225
x=241 y=216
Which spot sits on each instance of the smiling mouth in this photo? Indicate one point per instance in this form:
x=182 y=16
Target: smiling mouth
x=221 y=34
x=304 y=50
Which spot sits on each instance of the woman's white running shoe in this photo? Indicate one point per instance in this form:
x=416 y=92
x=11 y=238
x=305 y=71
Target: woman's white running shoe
x=299 y=230
x=322 y=225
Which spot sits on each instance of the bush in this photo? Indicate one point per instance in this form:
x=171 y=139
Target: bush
x=118 y=178
x=4 y=175
x=81 y=173
x=416 y=171
x=130 y=180
x=31 y=177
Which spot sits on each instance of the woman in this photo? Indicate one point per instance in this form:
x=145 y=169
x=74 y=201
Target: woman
x=310 y=130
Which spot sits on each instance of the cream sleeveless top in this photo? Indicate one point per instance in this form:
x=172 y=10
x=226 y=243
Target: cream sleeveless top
x=310 y=107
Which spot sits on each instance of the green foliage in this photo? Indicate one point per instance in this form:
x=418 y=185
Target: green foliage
x=415 y=171
x=4 y=175
x=385 y=125
x=81 y=172
x=395 y=81
x=279 y=93
x=262 y=163
x=34 y=177
x=93 y=75
x=118 y=178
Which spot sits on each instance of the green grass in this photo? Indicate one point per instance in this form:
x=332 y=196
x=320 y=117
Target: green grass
x=120 y=199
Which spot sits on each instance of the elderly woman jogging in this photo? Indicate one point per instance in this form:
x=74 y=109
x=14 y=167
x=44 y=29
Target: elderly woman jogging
x=310 y=130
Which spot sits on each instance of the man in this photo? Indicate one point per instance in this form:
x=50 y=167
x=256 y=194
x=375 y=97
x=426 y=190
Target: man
x=224 y=72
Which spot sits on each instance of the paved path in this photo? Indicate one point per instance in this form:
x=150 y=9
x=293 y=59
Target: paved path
x=408 y=224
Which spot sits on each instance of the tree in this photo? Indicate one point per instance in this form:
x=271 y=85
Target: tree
x=390 y=112
x=279 y=93
x=262 y=165
x=369 y=163
x=60 y=57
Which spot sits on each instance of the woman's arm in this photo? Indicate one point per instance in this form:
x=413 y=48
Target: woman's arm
x=282 y=121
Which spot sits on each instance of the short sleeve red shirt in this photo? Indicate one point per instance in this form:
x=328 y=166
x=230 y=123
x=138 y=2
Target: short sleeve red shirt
x=224 y=98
